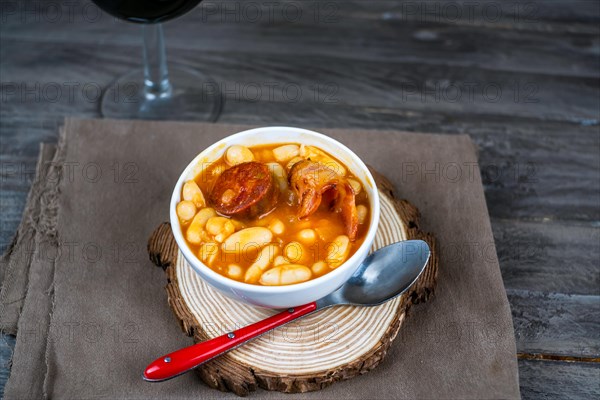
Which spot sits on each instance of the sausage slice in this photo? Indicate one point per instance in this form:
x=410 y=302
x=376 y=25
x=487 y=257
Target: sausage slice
x=246 y=190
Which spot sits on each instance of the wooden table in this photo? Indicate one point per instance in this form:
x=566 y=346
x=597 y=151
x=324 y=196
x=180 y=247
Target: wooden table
x=520 y=77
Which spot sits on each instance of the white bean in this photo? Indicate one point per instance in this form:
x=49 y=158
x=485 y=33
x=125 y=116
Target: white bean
x=208 y=252
x=294 y=251
x=294 y=274
x=263 y=259
x=338 y=251
x=276 y=226
x=195 y=230
x=319 y=268
x=286 y=152
x=214 y=225
x=362 y=212
x=280 y=260
x=220 y=228
x=228 y=196
x=303 y=152
x=318 y=155
x=237 y=154
x=287 y=274
x=191 y=192
x=234 y=271
x=307 y=236
x=356 y=186
x=327 y=231
x=247 y=239
x=186 y=211
x=279 y=174
x=205 y=214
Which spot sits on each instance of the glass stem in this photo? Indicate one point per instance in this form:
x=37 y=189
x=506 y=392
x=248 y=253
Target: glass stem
x=156 y=74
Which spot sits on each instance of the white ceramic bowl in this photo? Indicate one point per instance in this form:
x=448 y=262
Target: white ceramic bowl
x=290 y=295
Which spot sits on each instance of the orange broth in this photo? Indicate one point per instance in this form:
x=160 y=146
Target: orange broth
x=326 y=225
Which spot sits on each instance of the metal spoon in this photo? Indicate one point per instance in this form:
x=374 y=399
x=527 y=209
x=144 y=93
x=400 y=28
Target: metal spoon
x=383 y=275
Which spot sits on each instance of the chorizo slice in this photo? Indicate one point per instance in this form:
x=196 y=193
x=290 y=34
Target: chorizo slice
x=245 y=190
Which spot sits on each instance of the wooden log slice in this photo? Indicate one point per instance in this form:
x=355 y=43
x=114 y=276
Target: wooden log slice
x=334 y=344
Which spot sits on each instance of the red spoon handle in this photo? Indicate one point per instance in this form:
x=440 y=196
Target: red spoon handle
x=180 y=361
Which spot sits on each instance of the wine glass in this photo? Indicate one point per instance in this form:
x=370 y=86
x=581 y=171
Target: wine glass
x=158 y=92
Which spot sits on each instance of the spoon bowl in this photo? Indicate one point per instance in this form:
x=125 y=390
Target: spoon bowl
x=383 y=275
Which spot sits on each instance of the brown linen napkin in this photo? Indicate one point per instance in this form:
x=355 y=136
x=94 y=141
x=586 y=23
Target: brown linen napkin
x=109 y=316
x=28 y=279
x=16 y=261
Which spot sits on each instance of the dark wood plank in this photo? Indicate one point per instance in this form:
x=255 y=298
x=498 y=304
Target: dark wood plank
x=559 y=380
x=521 y=14
x=548 y=257
x=556 y=324
x=285 y=78
x=7 y=344
x=508 y=15
x=12 y=203
x=387 y=31
x=538 y=177
x=525 y=15
x=22 y=134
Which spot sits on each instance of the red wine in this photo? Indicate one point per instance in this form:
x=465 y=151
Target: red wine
x=146 y=11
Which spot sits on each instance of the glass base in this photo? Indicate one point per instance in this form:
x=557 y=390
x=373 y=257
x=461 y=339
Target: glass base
x=193 y=97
